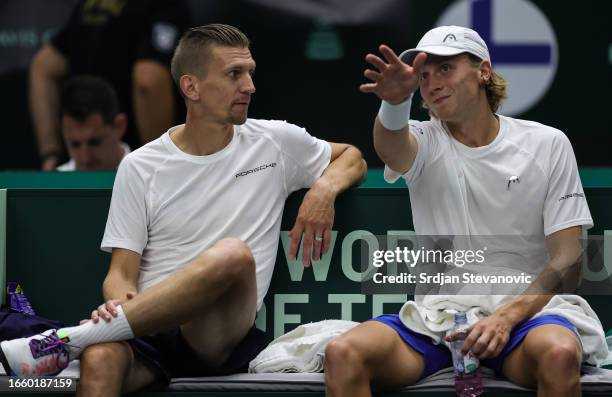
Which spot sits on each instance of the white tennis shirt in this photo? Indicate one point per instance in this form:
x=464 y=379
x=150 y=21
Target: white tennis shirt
x=525 y=183
x=168 y=206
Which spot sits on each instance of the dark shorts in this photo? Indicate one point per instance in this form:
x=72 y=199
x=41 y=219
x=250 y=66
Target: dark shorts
x=437 y=357
x=169 y=353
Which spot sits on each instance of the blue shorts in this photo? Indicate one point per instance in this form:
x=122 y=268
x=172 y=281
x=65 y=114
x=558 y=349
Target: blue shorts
x=169 y=354
x=437 y=357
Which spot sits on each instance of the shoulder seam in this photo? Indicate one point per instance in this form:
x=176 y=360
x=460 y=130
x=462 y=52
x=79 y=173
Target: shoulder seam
x=533 y=156
x=266 y=136
x=149 y=182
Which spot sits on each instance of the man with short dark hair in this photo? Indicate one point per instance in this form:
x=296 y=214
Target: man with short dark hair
x=193 y=227
x=92 y=125
x=472 y=172
x=129 y=44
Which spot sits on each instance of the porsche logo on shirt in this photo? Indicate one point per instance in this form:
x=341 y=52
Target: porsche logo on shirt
x=256 y=169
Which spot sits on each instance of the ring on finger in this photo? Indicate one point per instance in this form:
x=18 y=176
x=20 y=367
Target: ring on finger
x=318 y=238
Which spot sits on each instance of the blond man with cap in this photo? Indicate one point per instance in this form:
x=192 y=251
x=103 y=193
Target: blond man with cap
x=471 y=171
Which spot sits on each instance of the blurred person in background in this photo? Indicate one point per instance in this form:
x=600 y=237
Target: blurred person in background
x=129 y=44
x=92 y=125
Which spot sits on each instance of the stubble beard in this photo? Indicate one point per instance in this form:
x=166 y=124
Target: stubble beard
x=237 y=119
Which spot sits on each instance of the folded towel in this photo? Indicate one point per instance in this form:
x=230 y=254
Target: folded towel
x=434 y=317
x=300 y=350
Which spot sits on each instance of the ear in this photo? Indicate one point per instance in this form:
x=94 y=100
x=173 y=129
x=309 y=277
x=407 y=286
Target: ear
x=190 y=87
x=485 y=70
x=121 y=124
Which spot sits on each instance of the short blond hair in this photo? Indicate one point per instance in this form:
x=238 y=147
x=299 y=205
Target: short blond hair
x=495 y=88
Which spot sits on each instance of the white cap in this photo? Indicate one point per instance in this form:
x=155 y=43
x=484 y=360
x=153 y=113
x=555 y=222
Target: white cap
x=449 y=41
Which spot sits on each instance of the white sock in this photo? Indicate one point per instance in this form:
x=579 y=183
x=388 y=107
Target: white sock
x=90 y=333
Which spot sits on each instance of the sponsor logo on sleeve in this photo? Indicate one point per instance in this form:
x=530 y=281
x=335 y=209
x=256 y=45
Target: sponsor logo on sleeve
x=577 y=195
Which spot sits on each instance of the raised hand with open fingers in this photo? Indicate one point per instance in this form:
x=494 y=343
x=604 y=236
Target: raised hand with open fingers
x=393 y=80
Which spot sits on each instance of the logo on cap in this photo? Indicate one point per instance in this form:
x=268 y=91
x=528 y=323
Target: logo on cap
x=449 y=36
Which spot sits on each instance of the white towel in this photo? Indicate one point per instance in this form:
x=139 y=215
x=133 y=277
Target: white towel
x=608 y=361
x=435 y=314
x=434 y=317
x=578 y=312
x=300 y=350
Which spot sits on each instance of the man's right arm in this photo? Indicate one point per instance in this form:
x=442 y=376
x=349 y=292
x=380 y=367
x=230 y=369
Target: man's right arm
x=46 y=73
x=396 y=148
x=120 y=284
x=122 y=276
x=394 y=82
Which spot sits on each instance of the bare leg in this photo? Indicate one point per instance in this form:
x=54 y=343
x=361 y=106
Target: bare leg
x=549 y=357
x=222 y=271
x=213 y=299
x=216 y=331
x=108 y=369
x=374 y=353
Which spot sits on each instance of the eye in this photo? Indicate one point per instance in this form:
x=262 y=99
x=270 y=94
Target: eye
x=94 y=142
x=445 y=67
x=234 y=74
x=74 y=145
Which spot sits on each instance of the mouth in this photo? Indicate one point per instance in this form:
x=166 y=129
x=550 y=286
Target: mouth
x=242 y=103
x=441 y=99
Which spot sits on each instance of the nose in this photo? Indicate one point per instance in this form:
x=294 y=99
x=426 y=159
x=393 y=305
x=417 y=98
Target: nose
x=85 y=157
x=249 y=86
x=432 y=84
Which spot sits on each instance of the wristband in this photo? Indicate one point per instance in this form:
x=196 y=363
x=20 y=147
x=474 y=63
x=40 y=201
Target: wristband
x=395 y=117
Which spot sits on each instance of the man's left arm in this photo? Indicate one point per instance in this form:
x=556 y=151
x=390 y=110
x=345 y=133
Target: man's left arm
x=315 y=218
x=562 y=273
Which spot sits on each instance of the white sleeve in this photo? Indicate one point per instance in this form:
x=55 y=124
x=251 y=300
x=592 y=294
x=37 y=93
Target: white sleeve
x=304 y=157
x=423 y=135
x=565 y=204
x=126 y=226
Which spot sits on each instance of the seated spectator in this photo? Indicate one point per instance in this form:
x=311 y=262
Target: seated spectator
x=127 y=43
x=92 y=125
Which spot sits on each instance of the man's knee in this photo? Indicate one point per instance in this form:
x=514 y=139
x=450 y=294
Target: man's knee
x=343 y=361
x=105 y=357
x=235 y=251
x=561 y=360
x=230 y=259
x=556 y=355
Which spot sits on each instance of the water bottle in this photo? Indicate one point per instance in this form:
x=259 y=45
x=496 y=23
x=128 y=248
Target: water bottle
x=468 y=382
